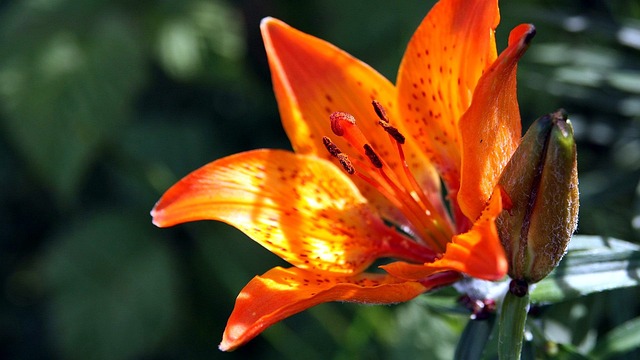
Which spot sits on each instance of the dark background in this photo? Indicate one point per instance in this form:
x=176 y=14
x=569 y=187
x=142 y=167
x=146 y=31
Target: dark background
x=105 y=104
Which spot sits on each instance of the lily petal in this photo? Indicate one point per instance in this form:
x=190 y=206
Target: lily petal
x=312 y=79
x=280 y=293
x=446 y=56
x=491 y=128
x=299 y=207
x=477 y=253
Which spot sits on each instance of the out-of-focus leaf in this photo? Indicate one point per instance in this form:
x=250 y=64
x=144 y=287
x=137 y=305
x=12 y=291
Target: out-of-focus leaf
x=592 y=264
x=549 y=347
x=624 y=338
x=367 y=333
x=63 y=100
x=421 y=332
x=112 y=288
x=162 y=152
x=474 y=339
x=561 y=352
x=206 y=35
x=635 y=221
x=445 y=300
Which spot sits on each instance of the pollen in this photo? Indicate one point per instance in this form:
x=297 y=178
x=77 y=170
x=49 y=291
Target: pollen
x=331 y=147
x=373 y=157
x=335 y=152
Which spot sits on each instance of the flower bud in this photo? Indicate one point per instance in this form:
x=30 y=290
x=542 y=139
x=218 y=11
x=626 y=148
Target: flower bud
x=541 y=183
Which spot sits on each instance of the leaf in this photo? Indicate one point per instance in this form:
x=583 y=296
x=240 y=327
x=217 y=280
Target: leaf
x=592 y=264
x=421 y=331
x=113 y=289
x=474 y=339
x=622 y=339
x=203 y=35
x=67 y=94
x=164 y=149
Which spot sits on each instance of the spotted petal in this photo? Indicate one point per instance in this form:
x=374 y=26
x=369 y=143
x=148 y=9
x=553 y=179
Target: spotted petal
x=477 y=253
x=312 y=79
x=280 y=293
x=491 y=128
x=300 y=207
x=446 y=56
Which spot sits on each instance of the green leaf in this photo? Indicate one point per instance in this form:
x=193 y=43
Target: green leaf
x=548 y=347
x=67 y=97
x=474 y=339
x=622 y=339
x=204 y=35
x=592 y=264
x=421 y=332
x=113 y=289
x=566 y=352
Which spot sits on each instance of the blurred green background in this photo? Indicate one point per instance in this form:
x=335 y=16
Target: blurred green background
x=105 y=104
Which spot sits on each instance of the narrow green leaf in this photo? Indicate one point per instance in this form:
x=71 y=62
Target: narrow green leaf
x=544 y=347
x=567 y=352
x=474 y=338
x=592 y=264
x=511 y=331
x=623 y=338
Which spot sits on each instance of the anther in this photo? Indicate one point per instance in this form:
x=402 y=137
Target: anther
x=331 y=147
x=380 y=111
x=375 y=160
x=384 y=122
x=339 y=120
x=395 y=134
x=346 y=163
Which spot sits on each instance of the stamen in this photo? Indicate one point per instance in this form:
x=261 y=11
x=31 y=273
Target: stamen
x=412 y=184
x=382 y=114
x=384 y=122
x=393 y=132
x=375 y=160
x=331 y=147
x=342 y=158
x=346 y=164
x=400 y=188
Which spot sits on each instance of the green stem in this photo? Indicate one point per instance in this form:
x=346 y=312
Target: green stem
x=512 y=319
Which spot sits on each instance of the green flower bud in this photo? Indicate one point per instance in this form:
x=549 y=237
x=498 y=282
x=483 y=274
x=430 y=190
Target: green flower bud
x=541 y=182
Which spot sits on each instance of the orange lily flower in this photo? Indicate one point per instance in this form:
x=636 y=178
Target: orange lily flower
x=364 y=182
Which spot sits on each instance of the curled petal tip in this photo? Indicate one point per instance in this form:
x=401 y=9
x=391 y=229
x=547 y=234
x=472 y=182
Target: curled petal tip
x=154 y=215
x=530 y=34
x=158 y=215
x=236 y=335
x=267 y=20
x=226 y=346
x=157 y=223
x=522 y=33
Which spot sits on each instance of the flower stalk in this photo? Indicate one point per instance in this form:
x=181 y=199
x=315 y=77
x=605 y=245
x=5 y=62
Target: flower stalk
x=513 y=317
